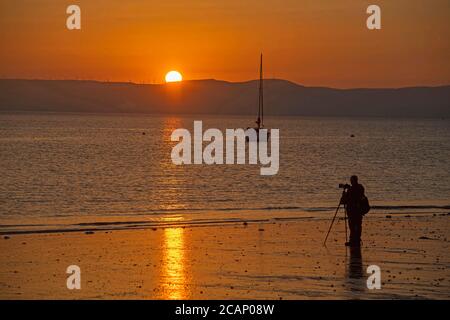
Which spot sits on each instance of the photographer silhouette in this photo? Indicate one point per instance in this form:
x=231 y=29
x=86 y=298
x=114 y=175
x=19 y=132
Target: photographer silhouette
x=354 y=198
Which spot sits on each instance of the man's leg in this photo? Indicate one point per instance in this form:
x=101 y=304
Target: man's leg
x=358 y=228
x=355 y=225
x=351 y=227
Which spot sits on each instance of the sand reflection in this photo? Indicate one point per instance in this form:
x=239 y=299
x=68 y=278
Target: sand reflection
x=355 y=276
x=173 y=266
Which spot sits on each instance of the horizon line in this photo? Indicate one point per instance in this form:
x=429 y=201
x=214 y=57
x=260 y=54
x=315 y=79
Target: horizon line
x=130 y=82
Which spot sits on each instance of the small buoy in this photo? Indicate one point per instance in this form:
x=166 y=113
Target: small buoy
x=143 y=133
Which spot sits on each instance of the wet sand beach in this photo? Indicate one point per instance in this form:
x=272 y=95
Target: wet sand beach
x=277 y=259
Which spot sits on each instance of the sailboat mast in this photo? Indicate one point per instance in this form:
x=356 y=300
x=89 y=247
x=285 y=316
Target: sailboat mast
x=261 y=96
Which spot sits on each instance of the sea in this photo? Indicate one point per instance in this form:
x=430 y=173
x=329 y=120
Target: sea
x=72 y=172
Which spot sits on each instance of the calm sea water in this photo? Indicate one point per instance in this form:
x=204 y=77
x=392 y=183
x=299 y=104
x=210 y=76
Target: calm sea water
x=90 y=168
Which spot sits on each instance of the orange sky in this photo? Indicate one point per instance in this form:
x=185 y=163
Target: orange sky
x=314 y=42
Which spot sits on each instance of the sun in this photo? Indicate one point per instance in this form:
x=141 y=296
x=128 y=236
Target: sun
x=173 y=76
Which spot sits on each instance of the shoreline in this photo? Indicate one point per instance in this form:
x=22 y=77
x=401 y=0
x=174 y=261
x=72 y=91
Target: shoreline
x=149 y=221
x=253 y=260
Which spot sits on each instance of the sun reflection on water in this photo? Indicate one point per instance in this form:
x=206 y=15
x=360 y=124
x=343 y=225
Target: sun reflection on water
x=174 y=273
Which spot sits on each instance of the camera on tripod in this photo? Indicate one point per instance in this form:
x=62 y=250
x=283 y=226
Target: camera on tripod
x=344 y=186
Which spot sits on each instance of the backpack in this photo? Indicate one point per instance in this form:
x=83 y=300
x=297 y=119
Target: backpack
x=364 y=205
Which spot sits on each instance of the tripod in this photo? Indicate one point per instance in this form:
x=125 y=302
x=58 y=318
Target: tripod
x=335 y=214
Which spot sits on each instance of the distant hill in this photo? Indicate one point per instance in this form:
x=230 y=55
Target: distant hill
x=221 y=97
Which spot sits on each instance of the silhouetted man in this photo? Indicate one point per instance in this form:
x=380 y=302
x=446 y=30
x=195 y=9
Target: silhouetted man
x=352 y=198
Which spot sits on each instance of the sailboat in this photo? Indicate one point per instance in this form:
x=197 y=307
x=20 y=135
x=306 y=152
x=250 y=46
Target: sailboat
x=260 y=119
